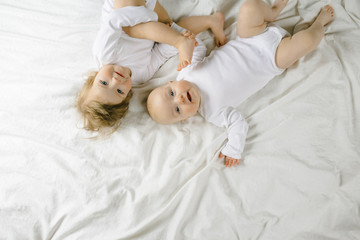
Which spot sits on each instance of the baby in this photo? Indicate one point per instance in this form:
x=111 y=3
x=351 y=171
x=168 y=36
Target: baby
x=127 y=55
x=232 y=73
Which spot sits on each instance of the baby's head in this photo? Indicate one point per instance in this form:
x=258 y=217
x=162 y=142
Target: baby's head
x=173 y=102
x=105 y=96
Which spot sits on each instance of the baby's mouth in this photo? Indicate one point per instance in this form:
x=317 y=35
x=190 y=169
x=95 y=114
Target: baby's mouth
x=189 y=96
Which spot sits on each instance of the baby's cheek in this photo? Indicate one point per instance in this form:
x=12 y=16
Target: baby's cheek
x=192 y=111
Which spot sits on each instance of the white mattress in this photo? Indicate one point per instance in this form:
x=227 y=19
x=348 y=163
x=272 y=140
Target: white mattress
x=300 y=178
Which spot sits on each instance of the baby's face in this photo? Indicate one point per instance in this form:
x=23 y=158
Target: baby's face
x=111 y=85
x=173 y=102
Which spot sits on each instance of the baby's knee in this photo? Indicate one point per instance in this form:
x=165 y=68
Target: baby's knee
x=248 y=11
x=248 y=7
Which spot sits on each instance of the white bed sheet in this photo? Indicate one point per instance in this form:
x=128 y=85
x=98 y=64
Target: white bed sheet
x=300 y=178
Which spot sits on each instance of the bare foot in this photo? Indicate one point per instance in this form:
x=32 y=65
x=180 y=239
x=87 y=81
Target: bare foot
x=325 y=16
x=186 y=49
x=217 y=27
x=190 y=35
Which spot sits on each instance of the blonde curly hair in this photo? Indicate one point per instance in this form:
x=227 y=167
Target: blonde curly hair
x=97 y=115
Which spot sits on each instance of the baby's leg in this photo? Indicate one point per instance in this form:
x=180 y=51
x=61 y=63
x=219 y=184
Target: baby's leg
x=197 y=24
x=160 y=32
x=254 y=16
x=293 y=48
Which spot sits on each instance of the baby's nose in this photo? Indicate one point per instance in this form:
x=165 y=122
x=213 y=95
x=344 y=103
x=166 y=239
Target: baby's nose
x=118 y=80
x=180 y=99
x=115 y=79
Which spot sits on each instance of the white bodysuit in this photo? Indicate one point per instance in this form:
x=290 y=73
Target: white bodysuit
x=230 y=75
x=113 y=46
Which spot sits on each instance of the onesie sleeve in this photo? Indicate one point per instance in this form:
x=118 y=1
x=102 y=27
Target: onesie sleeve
x=150 y=4
x=111 y=29
x=236 y=127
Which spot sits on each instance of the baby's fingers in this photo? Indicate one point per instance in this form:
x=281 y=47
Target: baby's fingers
x=231 y=162
x=227 y=162
x=235 y=161
x=186 y=33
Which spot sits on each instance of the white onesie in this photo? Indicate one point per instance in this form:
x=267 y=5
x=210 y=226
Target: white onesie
x=114 y=46
x=230 y=75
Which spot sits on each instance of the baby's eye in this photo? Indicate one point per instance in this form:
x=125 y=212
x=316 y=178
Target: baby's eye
x=171 y=93
x=177 y=109
x=119 y=91
x=103 y=82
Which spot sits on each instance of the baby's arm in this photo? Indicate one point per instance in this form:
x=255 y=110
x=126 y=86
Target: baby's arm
x=110 y=30
x=237 y=128
x=158 y=31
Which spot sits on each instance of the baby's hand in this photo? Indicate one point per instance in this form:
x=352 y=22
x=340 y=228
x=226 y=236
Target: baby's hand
x=168 y=22
x=229 y=161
